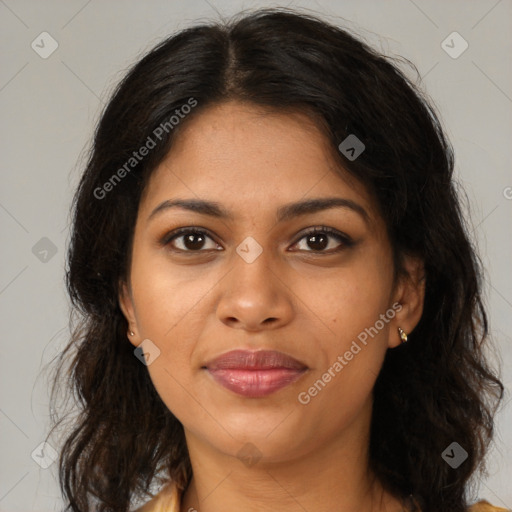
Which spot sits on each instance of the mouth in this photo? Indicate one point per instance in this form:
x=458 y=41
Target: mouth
x=255 y=374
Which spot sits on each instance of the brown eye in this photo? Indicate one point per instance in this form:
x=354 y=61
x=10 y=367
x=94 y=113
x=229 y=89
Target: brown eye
x=319 y=238
x=190 y=240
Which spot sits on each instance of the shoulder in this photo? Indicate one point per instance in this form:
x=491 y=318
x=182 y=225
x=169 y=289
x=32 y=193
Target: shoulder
x=167 y=500
x=485 y=506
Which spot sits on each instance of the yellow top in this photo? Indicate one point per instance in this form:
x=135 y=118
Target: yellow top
x=168 y=500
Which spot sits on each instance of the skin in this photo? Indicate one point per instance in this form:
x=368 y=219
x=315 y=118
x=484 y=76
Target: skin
x=305 y=303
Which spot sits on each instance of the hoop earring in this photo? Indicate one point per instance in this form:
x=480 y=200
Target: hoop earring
x=403 y=335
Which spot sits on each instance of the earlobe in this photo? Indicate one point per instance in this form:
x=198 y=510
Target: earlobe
x=410 y=295
x=126 y=305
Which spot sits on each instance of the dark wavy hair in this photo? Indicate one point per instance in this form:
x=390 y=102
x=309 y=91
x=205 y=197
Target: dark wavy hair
x=433 y=390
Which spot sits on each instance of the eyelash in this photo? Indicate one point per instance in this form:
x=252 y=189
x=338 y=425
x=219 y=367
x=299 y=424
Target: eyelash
x=345 y=240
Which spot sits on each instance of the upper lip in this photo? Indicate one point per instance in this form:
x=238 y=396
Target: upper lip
x=254 y=360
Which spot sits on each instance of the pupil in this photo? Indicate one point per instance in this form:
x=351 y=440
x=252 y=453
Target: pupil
x=189 y=241
x=318 y=239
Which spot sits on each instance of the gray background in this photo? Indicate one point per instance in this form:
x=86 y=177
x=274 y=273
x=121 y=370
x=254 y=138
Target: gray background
x=50 y=107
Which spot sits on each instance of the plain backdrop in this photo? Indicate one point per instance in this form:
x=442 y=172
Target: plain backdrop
x=49 y=109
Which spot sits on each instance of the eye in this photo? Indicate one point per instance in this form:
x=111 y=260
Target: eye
x=189 y=239
x=195 y=239
x=318 y=240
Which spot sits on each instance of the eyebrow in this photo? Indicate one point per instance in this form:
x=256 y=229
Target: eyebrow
x=285 y=212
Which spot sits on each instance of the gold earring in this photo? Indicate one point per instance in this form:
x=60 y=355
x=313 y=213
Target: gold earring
x=403 y=335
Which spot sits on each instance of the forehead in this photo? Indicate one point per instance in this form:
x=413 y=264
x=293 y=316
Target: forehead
x=248 y=158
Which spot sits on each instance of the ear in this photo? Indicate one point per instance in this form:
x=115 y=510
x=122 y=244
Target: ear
x=410 y=294
x=126 y=305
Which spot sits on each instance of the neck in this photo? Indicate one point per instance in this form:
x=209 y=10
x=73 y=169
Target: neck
x=333 y=477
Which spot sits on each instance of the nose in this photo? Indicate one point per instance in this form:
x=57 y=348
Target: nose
x=255 y=296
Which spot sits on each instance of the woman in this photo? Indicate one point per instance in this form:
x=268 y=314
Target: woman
x=281 y=307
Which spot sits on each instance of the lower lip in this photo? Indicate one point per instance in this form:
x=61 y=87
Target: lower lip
x=255 y=383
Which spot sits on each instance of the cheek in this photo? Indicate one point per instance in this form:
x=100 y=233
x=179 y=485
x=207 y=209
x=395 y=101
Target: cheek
x=339 y=387
x=167 y=299
x=351 y=305
x=167 y=307
x=349 y=300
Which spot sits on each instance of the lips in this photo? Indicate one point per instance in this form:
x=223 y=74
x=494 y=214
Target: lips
x=255 y=373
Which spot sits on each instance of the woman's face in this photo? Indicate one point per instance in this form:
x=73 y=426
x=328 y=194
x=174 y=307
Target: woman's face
x=255 y=280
